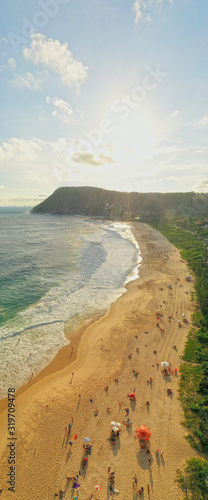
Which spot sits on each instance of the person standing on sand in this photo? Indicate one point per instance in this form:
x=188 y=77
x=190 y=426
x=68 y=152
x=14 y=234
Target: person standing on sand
x=134 y=481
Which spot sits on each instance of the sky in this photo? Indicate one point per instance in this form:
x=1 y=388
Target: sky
x=105 y=93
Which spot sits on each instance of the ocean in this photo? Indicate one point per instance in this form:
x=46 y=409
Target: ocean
x=53 y=269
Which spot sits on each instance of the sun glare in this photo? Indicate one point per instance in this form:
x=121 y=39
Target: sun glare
x=134 y=140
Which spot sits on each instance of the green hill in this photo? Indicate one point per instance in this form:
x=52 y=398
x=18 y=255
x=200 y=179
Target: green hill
x=97 y=202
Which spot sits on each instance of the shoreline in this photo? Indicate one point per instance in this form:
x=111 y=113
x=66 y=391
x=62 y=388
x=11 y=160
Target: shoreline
x=64 y=357
x=71 y=328
x=96 y=361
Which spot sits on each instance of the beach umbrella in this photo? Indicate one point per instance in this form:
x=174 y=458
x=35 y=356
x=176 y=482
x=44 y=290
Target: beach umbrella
x=113 y=423
x=132 y=395
x=115 y=429
x=76 y=485
x=87 y=440
x=75 y=436
x=164 y=364
x=143 y=432
x=97 y=487
x=118 y=424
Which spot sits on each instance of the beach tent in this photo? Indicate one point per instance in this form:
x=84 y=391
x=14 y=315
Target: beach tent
x=143 y=432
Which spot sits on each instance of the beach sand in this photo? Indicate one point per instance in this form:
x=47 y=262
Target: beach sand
x=46 y=405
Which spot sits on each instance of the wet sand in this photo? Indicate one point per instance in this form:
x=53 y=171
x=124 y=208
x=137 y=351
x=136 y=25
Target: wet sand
x=101 y=349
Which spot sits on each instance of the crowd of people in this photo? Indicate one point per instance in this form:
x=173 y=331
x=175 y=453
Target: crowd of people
x=167 y=371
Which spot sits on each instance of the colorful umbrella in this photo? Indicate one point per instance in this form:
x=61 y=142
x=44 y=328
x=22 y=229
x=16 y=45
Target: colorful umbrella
x=97 y=487
x=75 y=436
x=132 y=395
x=143 y=432
x=76 y=485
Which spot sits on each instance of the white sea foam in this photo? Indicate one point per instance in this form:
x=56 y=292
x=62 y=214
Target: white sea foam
x=108 y=258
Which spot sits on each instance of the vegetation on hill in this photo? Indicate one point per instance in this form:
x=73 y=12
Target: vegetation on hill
x=194 y=479
x=194 y=380
x=96 y=202
x=190 y=236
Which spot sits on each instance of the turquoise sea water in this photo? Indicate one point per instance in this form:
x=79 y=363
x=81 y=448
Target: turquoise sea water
x=54 y=269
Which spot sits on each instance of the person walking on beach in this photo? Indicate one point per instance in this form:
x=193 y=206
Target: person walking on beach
x=134 y=481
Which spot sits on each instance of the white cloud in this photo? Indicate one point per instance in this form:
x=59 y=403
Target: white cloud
x=175 y=113
x=56 y=57
x=203 y=122
x=202 y=185
x=12 y=63
x=28 y=198
x=91 y=159
x=60 y=146
x=143 y=9
x=19 y=149
x=4 y=40
x=62 y=110
x=138 y=8
x=27 y=81
x=199 y=151
x=72 y=153
x=2 y=187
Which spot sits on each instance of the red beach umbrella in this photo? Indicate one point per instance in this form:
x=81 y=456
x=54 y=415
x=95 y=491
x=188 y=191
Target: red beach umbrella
x=143 y=432
x=132 y=395
x=75 y=436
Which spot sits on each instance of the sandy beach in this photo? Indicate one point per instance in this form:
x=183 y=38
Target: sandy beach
x=101 y=350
